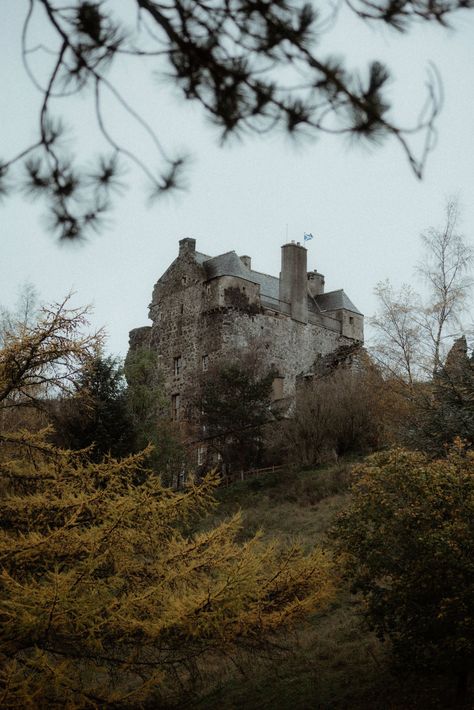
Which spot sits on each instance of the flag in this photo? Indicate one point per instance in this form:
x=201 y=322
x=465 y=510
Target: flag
x=307 y=236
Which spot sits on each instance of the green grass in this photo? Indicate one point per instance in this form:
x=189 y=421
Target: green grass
x=333 y=661
x=286 y=504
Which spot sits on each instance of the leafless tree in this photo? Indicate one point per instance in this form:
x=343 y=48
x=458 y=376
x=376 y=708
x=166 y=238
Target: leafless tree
x=396 y=343
x=24 y=314
x=445 y=268
x=410 y=333
x=335 y=414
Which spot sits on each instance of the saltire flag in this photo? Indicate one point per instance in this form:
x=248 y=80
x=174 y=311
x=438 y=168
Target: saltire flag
x=307 y=236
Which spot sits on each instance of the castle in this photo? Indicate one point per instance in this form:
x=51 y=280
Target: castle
x=204 y=309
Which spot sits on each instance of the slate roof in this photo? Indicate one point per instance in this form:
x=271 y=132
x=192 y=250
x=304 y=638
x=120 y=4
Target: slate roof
x=334 y=300
x=269 y=285
x=230 y=264
x=201 y=258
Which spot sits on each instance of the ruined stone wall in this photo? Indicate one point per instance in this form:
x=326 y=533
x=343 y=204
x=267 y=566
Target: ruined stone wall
x=287 y=345
x=352 y=324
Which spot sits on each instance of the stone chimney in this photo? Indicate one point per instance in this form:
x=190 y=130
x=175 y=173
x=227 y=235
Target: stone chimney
x=246 y=261
x=315 y=283
x=293 y=280
x=187 y=245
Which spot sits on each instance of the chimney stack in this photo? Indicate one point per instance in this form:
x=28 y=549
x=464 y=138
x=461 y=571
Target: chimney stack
x=293 y=280
x=315 y=283
x=187 y=245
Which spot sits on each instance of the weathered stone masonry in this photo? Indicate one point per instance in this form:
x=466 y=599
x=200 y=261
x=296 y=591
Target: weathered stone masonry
x=205 y=308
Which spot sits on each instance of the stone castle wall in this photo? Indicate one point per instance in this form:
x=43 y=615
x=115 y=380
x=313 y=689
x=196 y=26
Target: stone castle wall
x=199 y=322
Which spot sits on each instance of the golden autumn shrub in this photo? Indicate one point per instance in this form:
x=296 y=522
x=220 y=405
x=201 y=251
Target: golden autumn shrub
x=108 y=595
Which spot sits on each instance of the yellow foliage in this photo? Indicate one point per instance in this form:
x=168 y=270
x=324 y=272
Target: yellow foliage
x=108 y=595
x=101 y=575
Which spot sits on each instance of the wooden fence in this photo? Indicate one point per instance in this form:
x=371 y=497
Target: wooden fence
x=234 y=476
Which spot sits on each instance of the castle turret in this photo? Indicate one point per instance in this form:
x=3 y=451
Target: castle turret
x=293 y=280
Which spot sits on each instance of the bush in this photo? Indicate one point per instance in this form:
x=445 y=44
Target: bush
x=407 y=540
x=334 y=415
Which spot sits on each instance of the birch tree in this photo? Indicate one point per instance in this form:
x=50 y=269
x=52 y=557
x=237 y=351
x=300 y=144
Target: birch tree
x=411 y=333
x=445 y=269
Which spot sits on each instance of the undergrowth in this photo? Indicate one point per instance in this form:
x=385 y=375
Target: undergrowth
x=333 y=661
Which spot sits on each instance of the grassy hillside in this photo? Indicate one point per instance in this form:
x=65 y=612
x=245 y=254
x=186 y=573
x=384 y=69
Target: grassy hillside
x=333 y=661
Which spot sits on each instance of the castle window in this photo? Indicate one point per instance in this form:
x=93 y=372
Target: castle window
x=184 y=280
x=201 y=455
x=351 y=320
x=182 y=308
x=175 y=406
x=177 y=364
x=205 y=363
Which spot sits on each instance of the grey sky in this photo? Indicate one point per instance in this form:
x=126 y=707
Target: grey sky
x=365 y=207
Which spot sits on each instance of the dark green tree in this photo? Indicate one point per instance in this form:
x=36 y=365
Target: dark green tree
x=252 y=65
x=147 y=407
x=444 y=408
x=234 y=401
x=145 y=396
x=96 y=414
x=407 y=543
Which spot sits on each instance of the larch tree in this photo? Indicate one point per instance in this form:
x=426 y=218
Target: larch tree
x=109 y=596
x=252 y=65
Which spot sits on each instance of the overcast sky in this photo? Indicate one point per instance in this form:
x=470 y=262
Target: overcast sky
x=365 y=207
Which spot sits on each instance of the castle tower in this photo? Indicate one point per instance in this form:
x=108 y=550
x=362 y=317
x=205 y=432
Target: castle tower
x=293 y=280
